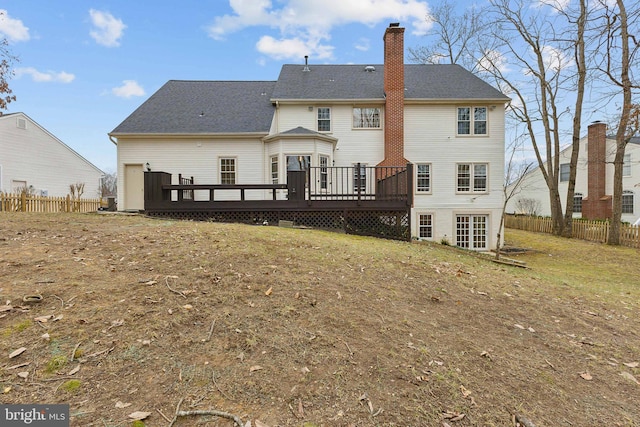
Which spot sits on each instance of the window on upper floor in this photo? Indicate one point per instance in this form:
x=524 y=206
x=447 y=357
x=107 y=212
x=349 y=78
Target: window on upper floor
x=423 y=178
x=471 y=177
x=324 y=119
x=577 y=203
x=565 y=168
x=626 y=166
x=366 y=118
x=472 y=120
x=627 y=202
x=228 y=170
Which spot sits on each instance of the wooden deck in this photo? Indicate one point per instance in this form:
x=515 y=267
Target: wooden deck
x=360 y=200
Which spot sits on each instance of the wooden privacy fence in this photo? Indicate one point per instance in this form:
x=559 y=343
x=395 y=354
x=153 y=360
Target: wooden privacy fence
x=596 y=231
x=24 y=203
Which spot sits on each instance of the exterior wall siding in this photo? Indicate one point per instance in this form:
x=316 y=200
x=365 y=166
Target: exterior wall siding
x=430 y=137
x=34 y=155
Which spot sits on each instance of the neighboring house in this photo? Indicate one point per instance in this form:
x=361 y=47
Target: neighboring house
x=594 y=180
x=33 y=158
x=441 y=118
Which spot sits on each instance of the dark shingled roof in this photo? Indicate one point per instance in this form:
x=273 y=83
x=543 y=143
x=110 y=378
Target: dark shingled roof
x=192 y=107
x=353 y=82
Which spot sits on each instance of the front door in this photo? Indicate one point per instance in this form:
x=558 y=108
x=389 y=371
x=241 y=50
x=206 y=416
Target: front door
x=133 y=187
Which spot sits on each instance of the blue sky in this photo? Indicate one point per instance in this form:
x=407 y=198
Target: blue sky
x=84 y=66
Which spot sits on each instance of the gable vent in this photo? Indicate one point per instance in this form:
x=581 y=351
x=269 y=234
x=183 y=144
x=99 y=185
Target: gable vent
x=21 y=123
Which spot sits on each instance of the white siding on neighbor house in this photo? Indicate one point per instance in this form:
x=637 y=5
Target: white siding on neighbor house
x=534 y=186
x=430 y=137
x=33 y=155
x=199 y=158
x=354 y=145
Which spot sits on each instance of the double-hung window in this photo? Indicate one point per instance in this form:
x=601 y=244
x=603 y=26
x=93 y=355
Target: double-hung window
x=366 y=118
x=471 y=177
x=228 y=170
x=274 y=169
x=472 y=120
x=577 y=203
x=565 y=169
x=423 y=178
x=425 y=226
x=627 y=202
x=626 y=165
x=324 y=119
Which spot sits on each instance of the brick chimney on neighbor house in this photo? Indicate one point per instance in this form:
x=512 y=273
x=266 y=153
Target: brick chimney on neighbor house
x=597 y=204
x=394 y=94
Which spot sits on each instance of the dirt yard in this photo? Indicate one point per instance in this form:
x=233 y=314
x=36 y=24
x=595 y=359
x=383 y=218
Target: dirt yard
x=294 y=327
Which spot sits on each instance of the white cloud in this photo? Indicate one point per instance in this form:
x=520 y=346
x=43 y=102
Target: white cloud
x=308 y=23
x=493 y=61
x=128 y=89
x=557 y=5
x=13 y=29
x=362 y=44
x=555 y=59
x=49 y=76
x=107 y=29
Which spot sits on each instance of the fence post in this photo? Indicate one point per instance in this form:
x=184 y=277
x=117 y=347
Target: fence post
x=67 y=207
x=24 y=202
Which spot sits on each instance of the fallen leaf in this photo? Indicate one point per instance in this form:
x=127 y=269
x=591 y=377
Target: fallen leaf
x=632 y=364
x=17 y=352
x=58 y=317
x=464 y=391
x=45 y=336
x=121 y=405
x=74 y=370
x=260 y=424
x=269 y=291
x=4 y=308
x=530 y=329
x=255 y=368
x=139 y=415
x=7 y=389
x=43 y=319
x=586 y=376
x=519 y=326
x=187 y=306
x=21 y=365
x=23 y=374
x=151 y=282
x=305 y=370
x=630 y=377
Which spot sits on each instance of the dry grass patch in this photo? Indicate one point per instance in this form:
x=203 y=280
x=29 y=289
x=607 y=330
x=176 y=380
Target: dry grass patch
x=301 y=327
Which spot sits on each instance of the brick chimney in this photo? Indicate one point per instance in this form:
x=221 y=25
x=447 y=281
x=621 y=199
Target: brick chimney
x=597 y=204
x=394 y=93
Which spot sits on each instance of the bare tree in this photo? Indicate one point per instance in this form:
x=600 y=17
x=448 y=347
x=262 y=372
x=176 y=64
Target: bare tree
x=620 y=54
x=528 y=38
x=6 y=64
x=514 y=175
x=108 y=185
x=455 y=38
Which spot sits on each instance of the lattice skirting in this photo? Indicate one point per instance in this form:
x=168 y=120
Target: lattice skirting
x=385 y=224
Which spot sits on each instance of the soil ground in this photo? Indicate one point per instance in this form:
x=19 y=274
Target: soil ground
x=293 y=327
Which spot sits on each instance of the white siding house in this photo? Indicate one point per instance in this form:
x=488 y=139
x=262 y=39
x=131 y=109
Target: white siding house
x=32 y=157
x=441 y=118
x=594 y=180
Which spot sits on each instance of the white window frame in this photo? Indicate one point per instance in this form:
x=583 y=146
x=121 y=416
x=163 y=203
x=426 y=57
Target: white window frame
x=472 y=239
x=275 y=176
x=626 y=165
x=430 y=226
x=375 y=119
x=419 y=189
x=565 y=172
x=577 y=197
x=471 y=117
x=323 y=119
x=324 y=171
x=472 y=178
x=628 y=195
x=223 y=171
x=360 y=177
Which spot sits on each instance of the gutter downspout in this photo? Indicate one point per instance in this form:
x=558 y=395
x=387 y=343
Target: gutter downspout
x=112 y=140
